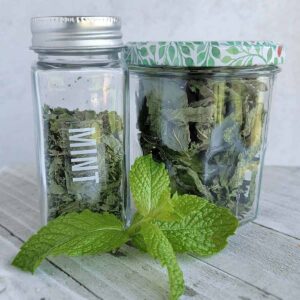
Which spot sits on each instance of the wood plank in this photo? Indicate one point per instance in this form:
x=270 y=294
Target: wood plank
x=16 y=284
x=279 y=207
x=133 y=275
x=204 y=281
x=264 y=258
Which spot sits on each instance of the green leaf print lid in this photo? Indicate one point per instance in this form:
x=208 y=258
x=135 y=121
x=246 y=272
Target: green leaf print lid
x=204 y=53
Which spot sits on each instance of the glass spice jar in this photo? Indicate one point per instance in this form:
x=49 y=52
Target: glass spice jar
x=79 y=87
x=202 y=108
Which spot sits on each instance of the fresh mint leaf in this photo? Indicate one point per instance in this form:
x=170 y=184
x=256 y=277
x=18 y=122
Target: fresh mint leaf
x=74 y=234
x=159 y=247
x=187 y=204
x=165 y=210
x=150 y=187
x=203 y=230
x=139 y=243
x=194 y=225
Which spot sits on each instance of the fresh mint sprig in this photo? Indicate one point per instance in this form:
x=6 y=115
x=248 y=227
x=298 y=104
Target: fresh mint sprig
x=162 y=226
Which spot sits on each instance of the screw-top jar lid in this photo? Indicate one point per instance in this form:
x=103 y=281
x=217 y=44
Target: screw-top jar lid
x=204 y=53
x=75 y=33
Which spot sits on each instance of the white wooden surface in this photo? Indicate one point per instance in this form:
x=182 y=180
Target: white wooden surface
x=262 y=260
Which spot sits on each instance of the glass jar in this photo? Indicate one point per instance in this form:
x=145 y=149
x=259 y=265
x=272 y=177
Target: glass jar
x=79 y=87
x=202 y=108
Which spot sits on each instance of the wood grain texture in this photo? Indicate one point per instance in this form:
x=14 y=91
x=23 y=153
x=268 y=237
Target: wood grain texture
x=261 y=262
x=280 y=200
x=15 y=284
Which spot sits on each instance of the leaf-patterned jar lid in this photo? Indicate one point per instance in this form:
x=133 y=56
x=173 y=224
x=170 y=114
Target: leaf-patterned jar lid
x=204 y=53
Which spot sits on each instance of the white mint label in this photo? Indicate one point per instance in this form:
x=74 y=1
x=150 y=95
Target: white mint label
x=80 y=139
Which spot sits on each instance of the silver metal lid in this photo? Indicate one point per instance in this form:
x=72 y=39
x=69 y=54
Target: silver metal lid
x=75 y=33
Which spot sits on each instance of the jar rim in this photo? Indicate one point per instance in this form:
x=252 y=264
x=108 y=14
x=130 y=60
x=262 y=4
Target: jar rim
x=247 y=71
x=204 y=53
x=76 y=33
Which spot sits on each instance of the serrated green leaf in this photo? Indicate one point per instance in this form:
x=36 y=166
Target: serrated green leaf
x=185 y=204
x=164 y=210
x=160 y=248
x=233 y=50
x=204 y=229
x=139 y=243
x=74 y=234
x=215 y=52
x=149 y=180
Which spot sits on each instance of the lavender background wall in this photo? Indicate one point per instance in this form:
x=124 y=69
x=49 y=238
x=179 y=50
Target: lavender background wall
x=153 y=20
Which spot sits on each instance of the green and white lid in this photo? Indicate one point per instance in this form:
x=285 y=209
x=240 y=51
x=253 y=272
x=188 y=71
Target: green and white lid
x=204 y=53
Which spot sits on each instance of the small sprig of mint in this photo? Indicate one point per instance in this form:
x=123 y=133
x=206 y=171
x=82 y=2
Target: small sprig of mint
x=163 y=225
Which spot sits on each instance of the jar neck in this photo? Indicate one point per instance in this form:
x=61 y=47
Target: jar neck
x=79 y=58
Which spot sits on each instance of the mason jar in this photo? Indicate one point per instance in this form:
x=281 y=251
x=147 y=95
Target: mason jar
x=79 y=88
x=202 y=108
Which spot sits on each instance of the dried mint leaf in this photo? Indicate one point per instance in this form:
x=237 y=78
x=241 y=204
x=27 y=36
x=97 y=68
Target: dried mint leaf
x=208 y=132
x=64 y=195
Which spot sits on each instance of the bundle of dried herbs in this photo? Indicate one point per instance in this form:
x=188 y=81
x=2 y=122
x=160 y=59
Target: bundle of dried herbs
x=208 y=132
x=84 y=161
